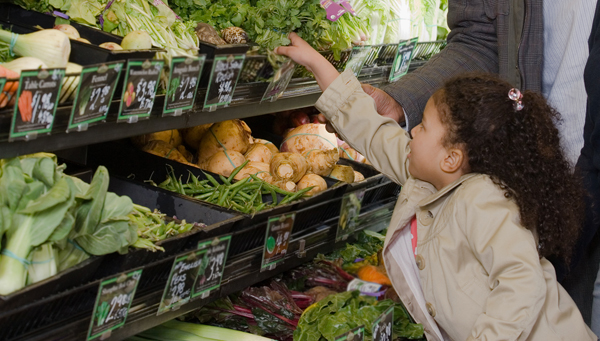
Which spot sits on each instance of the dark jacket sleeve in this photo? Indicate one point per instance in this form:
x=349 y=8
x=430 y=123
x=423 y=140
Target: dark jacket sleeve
x=472 y=46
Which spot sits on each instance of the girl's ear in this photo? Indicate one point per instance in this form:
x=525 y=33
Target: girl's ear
x=454 y=161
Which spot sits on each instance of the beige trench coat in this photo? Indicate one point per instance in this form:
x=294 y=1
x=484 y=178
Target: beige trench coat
x=479 y=270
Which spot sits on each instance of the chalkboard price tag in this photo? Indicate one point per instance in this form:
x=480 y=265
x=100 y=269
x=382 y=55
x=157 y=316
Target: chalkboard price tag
x=357 y=59
x=210 y=279
x=37 y=99
x=382 y=328
x=356 y=334
x=183 y=83
x=351 y=204
x=277 y=239
x=139 y=89
x=280 y=81
x=112 y=303
x=403 y=58
x=224 y=76
x=94 y=94
x=184 y=271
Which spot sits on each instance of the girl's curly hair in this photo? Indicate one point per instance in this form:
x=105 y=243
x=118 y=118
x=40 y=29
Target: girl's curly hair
x=520 y=151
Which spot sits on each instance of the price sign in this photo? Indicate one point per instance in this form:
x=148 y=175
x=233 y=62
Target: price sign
x=94 y=94
x=382 y=328
x=37 y=99
x=139 y=89
x=356 y=334
x=112 y=303
x=277 y=239
x=351 y=204
x=223 y=79
x=403 y=57
x=183 y=83
x=210 y=279
x=178 y=290
x=280 y=81
x=2 y=83
x=357 y=59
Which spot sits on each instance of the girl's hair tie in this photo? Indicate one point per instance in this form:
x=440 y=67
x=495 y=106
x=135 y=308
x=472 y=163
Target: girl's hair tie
x=516 y=95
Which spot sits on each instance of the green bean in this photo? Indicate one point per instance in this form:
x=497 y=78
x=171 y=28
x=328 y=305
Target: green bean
x=225 y=180
x=223 y=196
x=274 y=196
x=236 y=171
x=244 y=195
x=211 y=179
x=295 y=196
x=165 y=183
x=239 y=183
x=199 y=191
x=204 y=196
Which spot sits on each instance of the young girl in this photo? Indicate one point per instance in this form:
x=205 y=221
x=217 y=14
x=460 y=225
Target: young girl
x=487 y=194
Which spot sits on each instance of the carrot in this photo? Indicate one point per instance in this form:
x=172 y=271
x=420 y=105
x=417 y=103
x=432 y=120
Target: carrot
x=371 y=273
x=10 y=88
x=25 y=105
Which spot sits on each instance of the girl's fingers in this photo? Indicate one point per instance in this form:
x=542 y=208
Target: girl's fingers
x=283 y=50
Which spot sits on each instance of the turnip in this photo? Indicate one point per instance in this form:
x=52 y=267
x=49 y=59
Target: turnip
x=321 y=162
x=312 y=180
x=262 y=166
x=308 y=137
x=285 y=185
x=231 y=135
x=288 y=166
x=347 y=152
x=259 y=153
x=192 y=136
x=223 y=162
x=272 y=147
x=69 y=30
x=171 y=137
x=137 y=40
x=255 y=168
x=111 y=46
x=83 y=40
x=163 y=149
x=358 y=176
x=188 y=156
x=342 y=173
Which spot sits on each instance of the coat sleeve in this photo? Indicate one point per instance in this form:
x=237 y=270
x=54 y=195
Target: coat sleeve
x=472 y=47
x=508 y=253
x=353 y=114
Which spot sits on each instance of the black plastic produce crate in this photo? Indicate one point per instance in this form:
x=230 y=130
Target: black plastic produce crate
x=62 y=281
x=142 y=166
x=81 y=53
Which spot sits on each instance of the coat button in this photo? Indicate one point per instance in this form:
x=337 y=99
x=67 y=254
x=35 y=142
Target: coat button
x=426 y=218
x=420 y=262
x=430 y=309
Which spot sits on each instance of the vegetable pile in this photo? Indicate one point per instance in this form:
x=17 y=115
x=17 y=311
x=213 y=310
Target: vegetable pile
x=340 y=313
x=155 y=18
x=245 y=195
x=51 y=221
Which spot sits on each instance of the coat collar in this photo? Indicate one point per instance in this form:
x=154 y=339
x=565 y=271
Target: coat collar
x=435 y=196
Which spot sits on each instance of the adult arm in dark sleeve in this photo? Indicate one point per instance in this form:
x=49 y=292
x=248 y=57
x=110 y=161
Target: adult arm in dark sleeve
x=472 y=46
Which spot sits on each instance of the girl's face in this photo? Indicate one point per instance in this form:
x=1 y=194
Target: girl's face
x=427 y=149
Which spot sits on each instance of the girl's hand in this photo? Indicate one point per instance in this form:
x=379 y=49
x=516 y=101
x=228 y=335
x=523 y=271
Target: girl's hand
x=302 y=53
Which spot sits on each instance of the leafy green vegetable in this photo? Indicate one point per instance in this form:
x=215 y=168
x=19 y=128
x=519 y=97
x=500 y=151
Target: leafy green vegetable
x=340 y=313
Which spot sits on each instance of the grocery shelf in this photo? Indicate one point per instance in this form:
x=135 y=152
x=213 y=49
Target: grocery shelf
x=246 y=103
x=240 y=272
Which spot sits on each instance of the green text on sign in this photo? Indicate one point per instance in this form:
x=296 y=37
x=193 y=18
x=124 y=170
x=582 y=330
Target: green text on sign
x=113 y=302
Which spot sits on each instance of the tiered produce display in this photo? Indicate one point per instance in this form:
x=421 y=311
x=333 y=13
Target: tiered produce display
x=131 y=209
